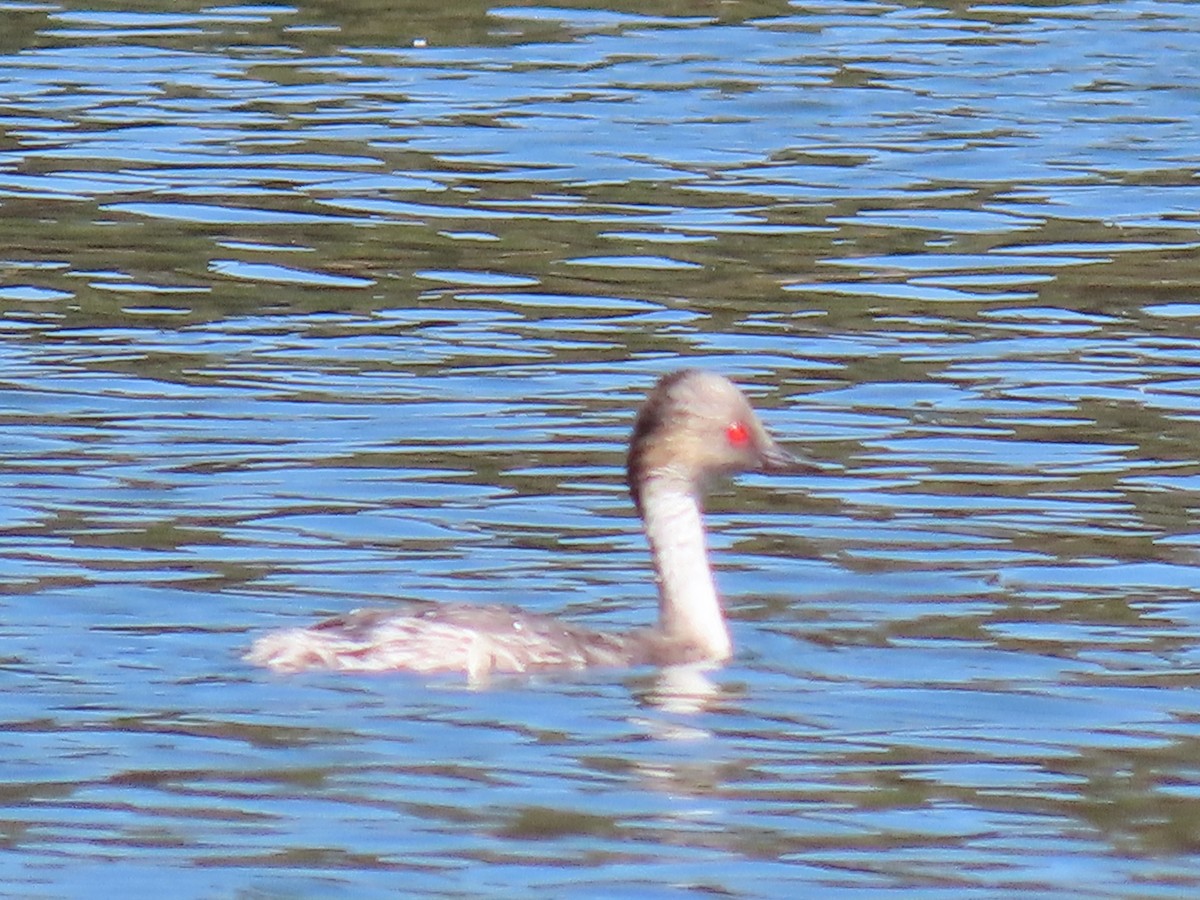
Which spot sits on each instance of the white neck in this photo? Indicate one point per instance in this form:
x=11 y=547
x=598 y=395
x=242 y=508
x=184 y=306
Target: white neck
x=688 y=607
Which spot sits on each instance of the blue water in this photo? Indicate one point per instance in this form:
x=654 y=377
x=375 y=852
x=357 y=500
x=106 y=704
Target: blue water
x=304 y=309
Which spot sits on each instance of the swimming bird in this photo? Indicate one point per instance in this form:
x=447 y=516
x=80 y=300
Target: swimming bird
x=693 y=425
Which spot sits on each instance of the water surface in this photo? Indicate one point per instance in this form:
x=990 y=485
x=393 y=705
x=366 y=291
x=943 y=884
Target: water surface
x=305 y=309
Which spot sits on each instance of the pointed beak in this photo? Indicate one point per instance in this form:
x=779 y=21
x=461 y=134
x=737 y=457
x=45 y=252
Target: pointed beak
x=774 y=458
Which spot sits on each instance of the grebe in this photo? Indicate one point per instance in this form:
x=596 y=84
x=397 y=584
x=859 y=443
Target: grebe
x=693 y=424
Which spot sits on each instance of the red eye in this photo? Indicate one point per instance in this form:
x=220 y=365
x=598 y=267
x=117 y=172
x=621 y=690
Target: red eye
x=737 y=434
